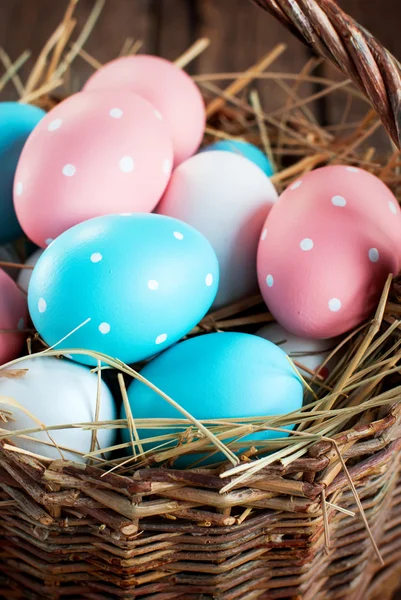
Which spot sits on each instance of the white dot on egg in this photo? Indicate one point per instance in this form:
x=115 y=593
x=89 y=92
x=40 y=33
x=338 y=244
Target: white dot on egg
x=153 y=284
x=352 y=169
x=306 y=244
x=338 y=201
x=373 y=255
x=158 y=115
x=69 y=170
x=21 y=324
x=178 y=235
x=270 y=280
x=104 y=328
x=264 y=234
x=161 y=338
x=42 y=305
x=54 y=125
x=209 y=279
x=296 y=185
x=19 y=188
x=116 y=113
x=334 y=304
x=96 y=257
x=127 y=164
x=125 y=214
x=392 y=207
x=166 y=167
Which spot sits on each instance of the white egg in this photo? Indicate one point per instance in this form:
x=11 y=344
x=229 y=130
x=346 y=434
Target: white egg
x=25 y=274
x=57 y=392
x=309 y=353
x=227 y=198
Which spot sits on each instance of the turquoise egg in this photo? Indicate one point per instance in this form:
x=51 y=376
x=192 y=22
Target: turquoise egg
x=217 y=376
x=134 y=284
x=16 y=123
x=249 y=151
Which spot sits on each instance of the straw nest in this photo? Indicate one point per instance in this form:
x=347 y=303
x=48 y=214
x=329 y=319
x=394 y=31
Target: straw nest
x=365 y=385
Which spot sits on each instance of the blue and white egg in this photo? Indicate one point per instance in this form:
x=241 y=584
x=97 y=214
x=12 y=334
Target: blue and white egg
x=126 y=285
x=245 y=149
x=17 y=121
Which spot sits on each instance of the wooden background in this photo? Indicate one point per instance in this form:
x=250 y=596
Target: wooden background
x=240 y=34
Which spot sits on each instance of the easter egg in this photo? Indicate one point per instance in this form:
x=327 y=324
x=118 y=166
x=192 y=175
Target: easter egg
x=227 y=198
x=24 y=276
x=8 y=254
x=172 y=92
x=16 y=123
x=13 y=317
x=349 y=189
x=322 y=265
x=93 y=154
x=245 y=149
x=57 y=392
x=132 y=285
x=304 y=352
x=217 y=376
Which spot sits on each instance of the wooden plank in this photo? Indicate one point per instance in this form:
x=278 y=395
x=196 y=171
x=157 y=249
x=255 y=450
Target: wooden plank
x=176 y=28
x=241 y=35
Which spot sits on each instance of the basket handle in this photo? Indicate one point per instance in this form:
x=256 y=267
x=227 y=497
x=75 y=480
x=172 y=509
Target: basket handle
x=333 y=34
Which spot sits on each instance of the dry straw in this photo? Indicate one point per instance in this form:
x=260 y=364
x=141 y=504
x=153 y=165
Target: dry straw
x=336 y=472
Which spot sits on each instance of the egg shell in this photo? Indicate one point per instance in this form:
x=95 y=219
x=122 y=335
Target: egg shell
x=57 y=392
x=25 y=275
x=143 y=280
x=217 y=376
x=9 y=254
x=174 y=94
x=309 y=353
x=321 y=272
x=93 y=154
x=227 y=198
x=13 y=316
x=245 y=149
x=16 y=123
x=352 y=189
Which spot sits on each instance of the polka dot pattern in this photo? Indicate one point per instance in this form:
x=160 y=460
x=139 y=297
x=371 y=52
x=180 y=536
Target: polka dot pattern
x=264 y=234
x=21 y=324
x=373 y=255
x=69 y=170
x=153 y=284
x=19 y=188
x=42 y=305
x=270 y=280
x=306 y=244
x=104 y=328
x=116 y=113
x=96 y=257
x=55 y=124
x=334 y=304
x=338 y=201
x=178 y=235
x=352 y=169
x=161 y=338
x=296 y=185
x=158 y=115
x=126 y=164
x=166 y=166
x=392 y=207
x=209 y=279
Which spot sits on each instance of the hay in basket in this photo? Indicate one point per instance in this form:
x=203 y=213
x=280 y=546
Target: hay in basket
x=315 y=514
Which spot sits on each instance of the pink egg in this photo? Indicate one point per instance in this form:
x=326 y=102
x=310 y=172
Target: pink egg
x=92 y=155
x=351 y=187
x=176 y=97
x=13 y=316
x=322 y=265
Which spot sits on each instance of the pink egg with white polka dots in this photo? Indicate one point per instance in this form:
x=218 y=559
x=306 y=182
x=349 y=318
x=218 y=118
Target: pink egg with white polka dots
x=13 y=318
x=174 y=94
x=94 y=154
x=326 y=250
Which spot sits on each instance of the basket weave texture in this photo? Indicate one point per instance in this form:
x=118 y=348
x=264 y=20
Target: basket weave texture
x=70 y=531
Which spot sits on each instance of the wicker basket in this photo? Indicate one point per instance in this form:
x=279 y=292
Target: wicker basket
x=66 y=531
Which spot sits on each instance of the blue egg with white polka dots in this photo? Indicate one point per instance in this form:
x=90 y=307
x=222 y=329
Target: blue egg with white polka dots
x=17 y=121
x=247 y=150
x=216 y=376
x=126 y=285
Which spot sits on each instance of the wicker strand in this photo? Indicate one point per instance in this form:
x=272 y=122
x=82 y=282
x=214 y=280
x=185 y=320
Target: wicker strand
x=336 y=36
